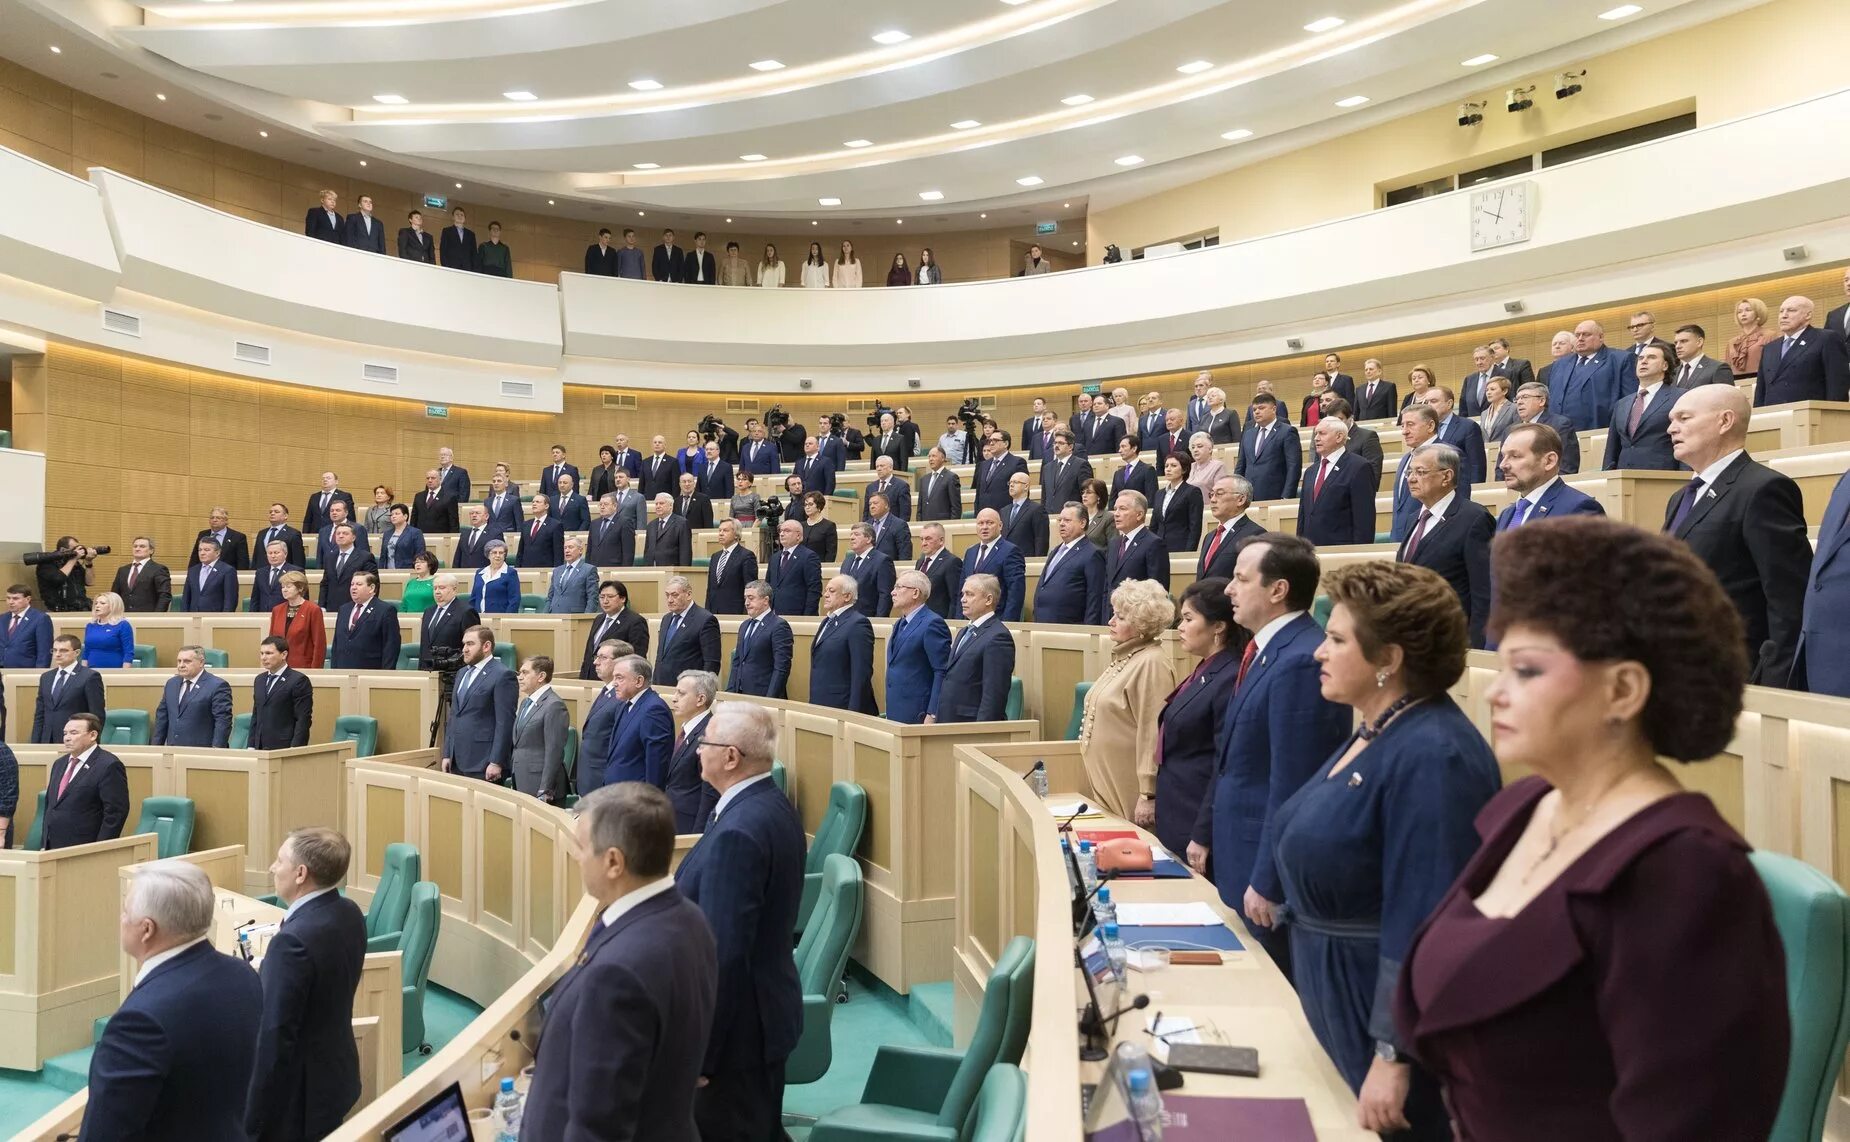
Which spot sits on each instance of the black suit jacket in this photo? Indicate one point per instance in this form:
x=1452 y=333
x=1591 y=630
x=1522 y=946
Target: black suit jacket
x=1345 y=512
x=761 y=663
x=292 y=542
x=1750 y=529
x=1383 y=404
x=668 y=543
x=695 y=262
x=977 y=674
x=373 y=642
x=472 y=546
x=660 y=477
x=946 y=572
x=940 y=495
x=94 y=807
x=686 y=791
x=1458 y=548
x=315 y=517
x=1180 y=525
x=726 y=592
x=694 y=646
x=601 y=260
x=265 y=595
x=841 y=672
x=457 y=618
x=1145 y=557
x=1223 y=427
x=628 y=627
x=457 y=250
x=665 y=265
x=1648 y=448
x=1060 y=481
x=1102 y=435
x=235 y=550
x=796 y=581
x=873 y=574
x=318 y=224
x=153 y=590
x=696 y=509
x=992 y=480
x=282 y=711
x=1816 y=369
x=612 y=544
x=361 y=237
x=439 y=515
x=1517 y=370
x=1026 y=528
x=416 y=246
x=544 y=548
x=82 y=693
x=1221 y=566
x=335 y=581
x=307 y=1072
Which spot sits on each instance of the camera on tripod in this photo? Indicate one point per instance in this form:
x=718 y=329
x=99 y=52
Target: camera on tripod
x=776 y=420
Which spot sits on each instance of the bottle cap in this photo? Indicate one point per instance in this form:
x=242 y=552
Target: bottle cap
x=1085 y=846
x=507 y=1085
x=1104 y=896
x=1111 y=931
x=1139 y=1081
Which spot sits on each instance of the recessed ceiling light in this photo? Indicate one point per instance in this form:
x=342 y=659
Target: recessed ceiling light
x=550 y=202
x=645 y=85
x=1077 y=100
x=899 y=221
x=1621 y=12
x=263 y=134
x=1480 y=61
x=752 y=158
x=459 y=186
x=56 y=50
x=1075 y=241
x=160 y=96
x=362 y=162
x=1352 y=101
x=1236 y=134
x=828 y=202
x=767 y=65
x=1031 y=180
x=519 y=96
x=394 y=100
x=1327 y=24
x=729 y=221
x=965 y=124
x=1066 y=206
x=642 y=214
x=1192 y=68
x=892 y=37
x=931 y=195
x=813 y=222
x=1130 y=160
x=982 y=216
x=858 y=143
x=648 y=166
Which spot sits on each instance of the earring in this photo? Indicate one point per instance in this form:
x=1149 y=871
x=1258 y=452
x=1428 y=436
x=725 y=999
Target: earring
x=1381 y=677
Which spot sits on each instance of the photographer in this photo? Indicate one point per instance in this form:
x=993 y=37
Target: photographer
x=64 y=574
x=853 y=442
x=786 y=432
x=719 y=432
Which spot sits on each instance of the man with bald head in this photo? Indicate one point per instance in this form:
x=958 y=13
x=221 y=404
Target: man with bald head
x=794 y=572
x=1839 y=320
x=1804 y=362
x=1746 y=521
x=1584 y=386
x=993 y=555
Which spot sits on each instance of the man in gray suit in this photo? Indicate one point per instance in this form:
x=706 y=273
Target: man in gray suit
x=539 y=734
x=668 y=542
x=195 y=707
x=574 y=583
x=1694 y=370
x=480 y=732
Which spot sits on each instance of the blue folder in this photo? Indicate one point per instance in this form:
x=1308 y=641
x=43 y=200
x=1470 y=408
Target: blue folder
x=1181 y=938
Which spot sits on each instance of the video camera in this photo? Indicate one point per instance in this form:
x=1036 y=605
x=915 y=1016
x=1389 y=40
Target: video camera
x=710 y=426
x=776 y=420
x=34 y=558
x=873 y=418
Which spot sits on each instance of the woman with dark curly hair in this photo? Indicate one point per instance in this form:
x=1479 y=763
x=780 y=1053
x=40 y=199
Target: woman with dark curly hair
x=1610 y=945
x=1369 y=845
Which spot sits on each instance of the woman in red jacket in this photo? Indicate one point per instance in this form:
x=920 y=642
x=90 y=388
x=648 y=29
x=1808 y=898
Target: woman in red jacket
x=301 y=622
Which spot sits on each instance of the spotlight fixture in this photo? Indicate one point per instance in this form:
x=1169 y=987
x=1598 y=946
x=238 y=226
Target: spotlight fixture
x=1077 y=100
x=891 y=38
x=362 y=162
x=160 y=96
x=1327 y=24
x=56 y=50
x=1129 y=160
x=1030 y=180
x=931 y=195
x=648 y=166
x=1352 y=101
x=1194 y=67
x=393 y=100
x=519 y=96
x=1481 y=60
x=828 y=201
x=1236 y=134
x=965 y=124
x=767 y=65
x=1621 y=12
x=1470 y=114
x=1567 y=84
x=1519 y=98
x=752 y=158
x=645 y=85
x=858 y=143
x=263 y=134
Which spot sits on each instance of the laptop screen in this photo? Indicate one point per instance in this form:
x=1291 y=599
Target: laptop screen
x=445 y=1118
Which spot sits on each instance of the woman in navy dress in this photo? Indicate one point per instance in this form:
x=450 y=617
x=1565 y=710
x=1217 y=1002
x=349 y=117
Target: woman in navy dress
x=1368 y=847
x=108 y=638
x=1190 y=722
x=497 y=586
x=693 y=458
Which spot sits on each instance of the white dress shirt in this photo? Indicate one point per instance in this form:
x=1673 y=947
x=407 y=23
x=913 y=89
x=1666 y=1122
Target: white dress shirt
x=1264 y=635
x=159 y=958
x=629 y=900
x=727 y=797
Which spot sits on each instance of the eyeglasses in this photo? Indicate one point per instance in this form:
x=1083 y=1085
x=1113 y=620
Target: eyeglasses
x=1639 y=325
x=705 y=742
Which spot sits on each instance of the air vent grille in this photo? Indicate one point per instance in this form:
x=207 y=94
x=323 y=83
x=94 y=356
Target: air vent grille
x=127 y=324
x=252 y=354
x=379 y=374
x=518 y=390
x=622 y=402
x=741 y=404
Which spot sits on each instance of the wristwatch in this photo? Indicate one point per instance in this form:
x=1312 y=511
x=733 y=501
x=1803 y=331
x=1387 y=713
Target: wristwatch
x=1386 y=1052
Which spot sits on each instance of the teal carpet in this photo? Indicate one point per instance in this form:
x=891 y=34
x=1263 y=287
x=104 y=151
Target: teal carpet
x=873 y=1015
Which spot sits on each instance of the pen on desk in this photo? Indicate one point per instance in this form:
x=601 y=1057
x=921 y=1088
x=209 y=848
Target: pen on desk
x=1155 y=1025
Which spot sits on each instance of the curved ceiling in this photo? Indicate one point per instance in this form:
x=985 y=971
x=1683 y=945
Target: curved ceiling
x=786 y=110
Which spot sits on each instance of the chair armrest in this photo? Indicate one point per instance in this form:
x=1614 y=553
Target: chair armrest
x=885 y=1131
x=384 y=943
x=813 y=1055
x=812 y=889
x=917 y=1078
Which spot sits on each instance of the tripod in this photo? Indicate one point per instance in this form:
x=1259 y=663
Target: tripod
x=446 y=692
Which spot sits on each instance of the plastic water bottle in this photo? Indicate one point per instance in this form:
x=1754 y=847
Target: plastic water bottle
x=508 y=1107
x=1114 y=948
x=1088 y=865
x=1146 y=1103
x=1037 y=779
x=1104 y=909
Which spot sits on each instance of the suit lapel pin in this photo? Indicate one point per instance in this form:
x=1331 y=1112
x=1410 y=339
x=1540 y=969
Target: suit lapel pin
x=1541 y=509
x=1355 y=781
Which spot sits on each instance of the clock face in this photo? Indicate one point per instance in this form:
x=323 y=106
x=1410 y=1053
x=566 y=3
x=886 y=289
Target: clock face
x=1500 y=216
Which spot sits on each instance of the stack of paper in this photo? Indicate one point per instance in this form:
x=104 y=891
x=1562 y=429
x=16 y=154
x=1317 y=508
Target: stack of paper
x=1189 y=914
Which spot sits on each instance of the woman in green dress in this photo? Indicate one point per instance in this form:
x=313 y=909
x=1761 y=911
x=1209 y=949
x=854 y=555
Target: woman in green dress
x=418 y=597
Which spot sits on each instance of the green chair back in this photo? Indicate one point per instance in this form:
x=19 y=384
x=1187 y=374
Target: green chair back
x=1001 y=1106
x=240 y=732
x=385 y=916
x=1012 y=710
x=508 y=656
x=838 y=834
x=1813 y=917
x=171 y=820
x=533 y=604
x=127 y=727
x=359 y=729
x=1320 y=609
x=144 y=656
x=408 y=655
x=217 y=657
x=571 y=752
x=992 y=1040
x=1077 y=722
x=780 y=777
x=417 y=945
x=822 y=957
x=35 y=836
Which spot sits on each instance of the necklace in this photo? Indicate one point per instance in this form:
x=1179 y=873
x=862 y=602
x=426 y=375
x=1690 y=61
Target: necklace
x=1372 y=730
x=1556 y=837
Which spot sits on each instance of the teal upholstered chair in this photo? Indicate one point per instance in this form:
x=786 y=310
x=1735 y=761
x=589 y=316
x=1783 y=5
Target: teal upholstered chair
x=171 y=821
x=571 y=755
x=1001 y=1106
x=391 y=903
x=359 y=729
x=1813 y=917
x=839 y=834
x=822 y=957
x=1077 y=722
x=35 y=836
x=408 y=655
x=931 y=1092
x=780 y=777
x=533 y=604
x=240 y=731
x=144 y=656
x=417 y=946
x=1012 y=709
x=508 y=656
x=127 y=727
x=1320 y=609
x=217 y=658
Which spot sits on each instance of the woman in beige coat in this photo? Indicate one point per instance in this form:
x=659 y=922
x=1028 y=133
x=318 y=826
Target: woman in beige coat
x=1118 y=733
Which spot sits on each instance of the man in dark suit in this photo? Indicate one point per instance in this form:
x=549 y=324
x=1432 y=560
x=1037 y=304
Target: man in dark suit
x=1643 y=328
x=233 y=546
x=472 y=542
x=606 y=1054
x=1584 y=387
x=693 y=506
x=817 y=471
x=444 y=623
x=993 y=555
x=982 y=659
x=761 y=660
x=1376 y=398
x=324 y=222
x=1072 y=583
x=316 y=513
x=542 y=538
x=1032 y=427
x=339 y=565
x=195 y=706
x=434 y=510
x=86 y=791
x=366 y=632
x=1063 y=474
x=1104 y=432
x=282 y=700
x=728 y=571
x=69 y=688
x=1024 y=522
x=600 y=257
x=1804 y=362
x=307 y=1073
x=1451 y=535
x=1838 y=321
x=758 y=455
x=1341 y=383
x=666 y=260
x=1462 y=433
x=1171 y=439
x=890 y=442
x=145 y=586
x=699 y=267
x=457 y=248
x=1135 y=475
x=339 y=515
x=414 y=242
x=1135 y=552
x=615 y=621
x=1639 y=436
x=795 y=573
x=642 y=736
x=612 y=535
x=1363 y=440
x=279 y=529
x=550 y=474
x=1822 y=662
x=891 y=535
x=1532 y=408
x=898 y=494
x=1691 y=367
x=668 y=542
x=160 y=1072
x=1039 y=435
x=26 y=633
x=917 y=648
x=746 y=875
x=1337 y=503
x=594 y=736
x=478 y=735
x=211 y=584
x=872 y=571
x=1198 y=402
x=1746 y=521
x=453 y=478
x=940 y=492
x=992 y=473
x=503 y=504
x=1269 y=450
x=1277 y=730
x=1228 y=500
x=1472 y=397
x=1531 y=464
x=362 y=231
x=1516 y=370
x=716 y=482
x=661 y=472
x=689 y=633
x=941 y=566
x=841 y=672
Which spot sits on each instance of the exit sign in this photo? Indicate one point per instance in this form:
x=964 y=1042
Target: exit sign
x=1092 y=389
x=1046 y=227
x=437 y=411
x=435 y=201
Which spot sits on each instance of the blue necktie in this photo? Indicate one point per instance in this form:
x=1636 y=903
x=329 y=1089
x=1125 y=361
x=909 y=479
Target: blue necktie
x=669 y=626
x=1518 y=517
x=1689 y=502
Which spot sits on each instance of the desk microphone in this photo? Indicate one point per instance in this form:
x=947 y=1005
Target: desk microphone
x=1105 y=875
x=1066 y=826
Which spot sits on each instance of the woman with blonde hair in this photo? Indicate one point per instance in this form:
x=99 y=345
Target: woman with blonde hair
x=1750 y=313
x=771 y=269
x=301 y=622
x=109 y=640
x=1118 y=732
x=1205 y=469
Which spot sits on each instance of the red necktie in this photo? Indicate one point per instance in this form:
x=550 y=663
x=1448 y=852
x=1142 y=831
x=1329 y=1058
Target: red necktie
x=1631 y=422
x=432 y=500
x=70 y=771
x=536 y=524
x=1246 y=662
x=133 y=570
x=1323 y=469
x=354 y=619
x=1214 y=545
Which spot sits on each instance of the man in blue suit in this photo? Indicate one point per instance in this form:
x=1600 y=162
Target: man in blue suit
x=68 y=689
x=891 y=535
x=452 y=478
x=1640 y=432
x=761 y=660
x=897 y=492
x=746 y=874
x=325 y=539
x=817 y=471
x=917 y=649
x=1532 y=408
x=1462 y=433
x=594 y=735
x=571 y=509
x=1804 y=362
x=503 y=507
x=991 y=480
x=478 y=736
x=1586 y=384
x=872 y=570
x=795 y=573
x=211 y=584
x=267 y=580
x=549 y=475
x=841 y=659
x=1822 y=662
x=1276 y=732
x=1531 y=461
x=1135 y=475
x=1418 y=423
x=25 y=634
x=993 y=555
x=1269 y=453
x=161 y=1072
x=643 y=737
x=366 y=635
x=341 y=560
x=1072 y=584
x=573 y=590
x=728 y=571
x=195 y=706
x=625 y=1030
x=689 y=637
x=758 y=455
x=982 y=660
x=542 y=538
x=1135 y=552
x=1337 y=503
